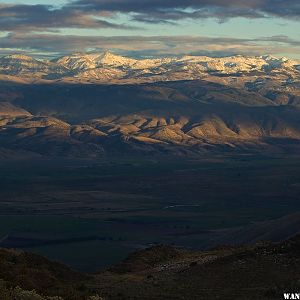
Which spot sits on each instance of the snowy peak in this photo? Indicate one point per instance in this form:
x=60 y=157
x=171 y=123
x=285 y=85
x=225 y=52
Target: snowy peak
x=239 y=63
x=107 y=66
x=108 y=58
x=19 y=57
x=81 y=61
x=77 y=61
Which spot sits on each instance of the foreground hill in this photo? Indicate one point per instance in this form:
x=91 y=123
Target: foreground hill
x=263 y=271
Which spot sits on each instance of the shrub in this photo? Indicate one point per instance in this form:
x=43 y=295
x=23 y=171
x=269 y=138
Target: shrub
x=96 y=297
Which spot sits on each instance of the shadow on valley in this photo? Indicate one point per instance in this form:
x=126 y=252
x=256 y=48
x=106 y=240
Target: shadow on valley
x=91 y=214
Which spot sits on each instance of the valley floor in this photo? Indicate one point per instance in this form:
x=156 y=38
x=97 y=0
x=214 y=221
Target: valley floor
x=64 y=209
x=92 y=214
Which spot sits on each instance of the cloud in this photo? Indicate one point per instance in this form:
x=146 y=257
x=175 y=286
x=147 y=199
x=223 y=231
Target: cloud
x=45 y=17
x=55 y=45
x=168 y=10
x=24 y=23
x=94 y=14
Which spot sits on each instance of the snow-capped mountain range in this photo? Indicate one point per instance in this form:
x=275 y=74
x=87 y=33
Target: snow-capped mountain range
x=95 y=104
x=107 y=67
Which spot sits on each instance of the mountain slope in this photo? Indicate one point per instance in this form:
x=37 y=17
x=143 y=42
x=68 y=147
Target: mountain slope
x=262 y=271
x=180 y=118
x=22 y=65
x=274 y=78
x=124 y=69
x=177 y=105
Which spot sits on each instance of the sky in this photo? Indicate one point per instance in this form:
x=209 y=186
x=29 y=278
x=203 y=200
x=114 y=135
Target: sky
x=149 y=28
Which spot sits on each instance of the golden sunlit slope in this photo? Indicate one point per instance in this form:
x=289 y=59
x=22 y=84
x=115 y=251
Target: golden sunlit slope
x=180 y=118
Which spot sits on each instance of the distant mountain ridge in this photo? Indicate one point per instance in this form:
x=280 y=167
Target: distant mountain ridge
x=101 y=67
x=102 y=103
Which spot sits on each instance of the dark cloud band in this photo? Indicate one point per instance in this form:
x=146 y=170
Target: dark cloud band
x=150 y=10
x=23 y=21
x=94 y=13
x=41 y=17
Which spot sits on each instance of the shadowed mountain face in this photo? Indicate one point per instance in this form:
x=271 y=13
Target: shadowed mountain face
x=180 y=118
x=169 y=106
